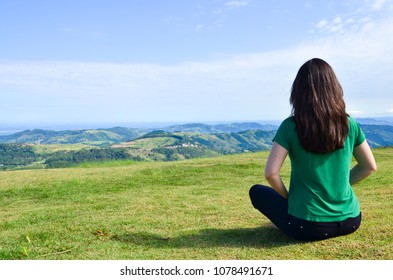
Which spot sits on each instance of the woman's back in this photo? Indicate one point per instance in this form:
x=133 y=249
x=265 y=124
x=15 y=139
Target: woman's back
x=319 y=186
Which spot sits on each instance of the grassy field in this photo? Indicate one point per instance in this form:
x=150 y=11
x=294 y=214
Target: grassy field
x=196 y=209
x=41 y=149
x=149 y=143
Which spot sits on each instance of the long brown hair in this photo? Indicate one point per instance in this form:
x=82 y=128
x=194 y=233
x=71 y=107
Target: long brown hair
x=318 y=108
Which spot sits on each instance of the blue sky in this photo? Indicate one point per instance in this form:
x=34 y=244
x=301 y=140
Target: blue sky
x=118 y=61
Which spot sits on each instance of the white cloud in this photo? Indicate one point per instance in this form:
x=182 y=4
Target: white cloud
x=236 y=3
x=253 y=86
x=350 y=21
x=199 y=27
x=337 y=20
x=217 y=11
x=322 y=24
x=333 y=26
x=356 y=113
x=364 y=17
x=378 y=4
x=248 y=87
x=222 y=11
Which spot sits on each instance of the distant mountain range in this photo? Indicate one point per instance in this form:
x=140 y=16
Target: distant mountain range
x=95 y=137
x=39 y=148
x=376 y=121
x=377 y=135
x=219 y=128
x=105 y=137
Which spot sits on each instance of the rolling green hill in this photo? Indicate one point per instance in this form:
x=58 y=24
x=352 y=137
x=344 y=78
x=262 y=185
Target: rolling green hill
x=102 y=137
x=379 y=135
x=96 y=137
x=219 y=128
x=153 y=146
x=45 y=148
x=167 y=146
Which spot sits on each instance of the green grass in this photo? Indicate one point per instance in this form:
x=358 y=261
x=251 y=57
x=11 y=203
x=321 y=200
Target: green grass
x=110 y=163
x=196 y=209
x=51 y=148
x=149 y=143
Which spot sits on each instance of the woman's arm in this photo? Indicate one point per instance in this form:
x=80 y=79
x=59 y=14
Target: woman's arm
x=273 y=166
x=365 y=163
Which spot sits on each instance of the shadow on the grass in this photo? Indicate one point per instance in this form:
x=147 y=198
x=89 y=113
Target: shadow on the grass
x=261 y=237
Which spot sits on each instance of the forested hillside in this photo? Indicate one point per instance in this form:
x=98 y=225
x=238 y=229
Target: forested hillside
x=379 y=135
x=48 y=149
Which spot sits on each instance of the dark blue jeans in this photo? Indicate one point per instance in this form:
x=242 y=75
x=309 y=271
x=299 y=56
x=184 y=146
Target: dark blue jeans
x=275 y=208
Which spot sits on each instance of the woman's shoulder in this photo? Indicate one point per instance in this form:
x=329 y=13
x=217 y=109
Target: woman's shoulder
x=352 y=122
x=355 y=131
x=290 y=120
x=351 y=119
x=288 y=123
x=287 y=128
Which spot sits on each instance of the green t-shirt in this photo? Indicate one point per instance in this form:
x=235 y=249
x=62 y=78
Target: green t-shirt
x=319 y=186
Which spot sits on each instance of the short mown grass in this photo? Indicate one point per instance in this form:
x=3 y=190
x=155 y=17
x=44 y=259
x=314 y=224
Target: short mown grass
x=195 y=209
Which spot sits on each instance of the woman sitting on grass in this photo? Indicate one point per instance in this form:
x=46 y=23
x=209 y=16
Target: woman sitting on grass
x=320 y=139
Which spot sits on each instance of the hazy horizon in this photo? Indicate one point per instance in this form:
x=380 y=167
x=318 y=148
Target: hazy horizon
x=6 y=129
